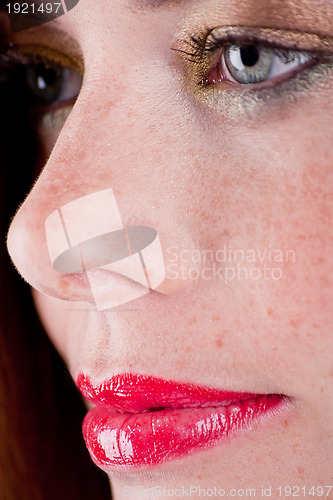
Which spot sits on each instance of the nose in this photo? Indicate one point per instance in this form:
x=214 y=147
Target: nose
x=87 y=234
x=70 y=240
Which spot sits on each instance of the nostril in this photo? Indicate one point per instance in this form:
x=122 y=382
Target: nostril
x=70 y=258
x=26 y=246
x=87 y=235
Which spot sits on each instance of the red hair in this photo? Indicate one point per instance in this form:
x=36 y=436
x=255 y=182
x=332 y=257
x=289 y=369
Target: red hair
x=40 y=457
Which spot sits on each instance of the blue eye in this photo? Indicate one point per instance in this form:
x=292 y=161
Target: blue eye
x=49 y=85
x=251 y=64
x=38 y=82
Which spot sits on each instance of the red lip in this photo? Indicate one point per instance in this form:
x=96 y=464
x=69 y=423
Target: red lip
x=143 y=421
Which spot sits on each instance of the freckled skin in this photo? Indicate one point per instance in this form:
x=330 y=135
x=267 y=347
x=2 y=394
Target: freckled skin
x=202 y=181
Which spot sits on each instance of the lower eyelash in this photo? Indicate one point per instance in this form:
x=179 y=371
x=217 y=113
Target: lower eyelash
x=250 y=104
x=246 y=103
x=201 y=50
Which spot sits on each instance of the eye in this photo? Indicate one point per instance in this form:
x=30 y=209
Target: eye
x=39 y=83
x=50 y=85
x=250 y=64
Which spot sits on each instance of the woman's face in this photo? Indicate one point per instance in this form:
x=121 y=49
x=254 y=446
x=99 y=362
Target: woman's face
x=226 y=153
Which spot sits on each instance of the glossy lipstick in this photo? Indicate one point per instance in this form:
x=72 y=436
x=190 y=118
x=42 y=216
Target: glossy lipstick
x=144 y=421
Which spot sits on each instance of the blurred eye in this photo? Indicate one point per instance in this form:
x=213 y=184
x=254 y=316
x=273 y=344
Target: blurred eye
x=249 y=63
x=49 y=85
x=38 y=94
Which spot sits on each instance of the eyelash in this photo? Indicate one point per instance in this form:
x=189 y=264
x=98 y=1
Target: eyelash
x=12 y=59
x=202 y=48
x=198 y=46
x=43 y=85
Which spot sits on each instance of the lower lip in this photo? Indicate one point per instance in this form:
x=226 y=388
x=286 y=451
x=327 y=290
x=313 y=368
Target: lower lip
x=121 y=441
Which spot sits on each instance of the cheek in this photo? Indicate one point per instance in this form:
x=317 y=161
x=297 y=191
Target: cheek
x=243 y=187
x=279 y=197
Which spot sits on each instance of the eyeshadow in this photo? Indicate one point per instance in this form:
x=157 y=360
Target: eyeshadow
x=48 y=53
x=236 y=105
x=245 y=101
x=52 y=42
x=286 y=38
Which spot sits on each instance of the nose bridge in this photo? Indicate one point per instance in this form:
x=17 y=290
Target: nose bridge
x=108 y=128
x=90 y=146
x=79 y=167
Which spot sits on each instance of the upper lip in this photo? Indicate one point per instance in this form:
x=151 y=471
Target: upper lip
x=130 y=393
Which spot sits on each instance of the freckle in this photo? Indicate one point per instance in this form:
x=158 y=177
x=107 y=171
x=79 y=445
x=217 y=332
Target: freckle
x=294 y=323
x=300 y=471
x=192 y=321
x=64 y=285
x=285 y=423
x=218 y=342
x=180 y=365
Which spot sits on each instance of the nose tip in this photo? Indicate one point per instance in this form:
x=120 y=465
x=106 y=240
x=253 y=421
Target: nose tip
x=86 y=253
x=16 y=242
x=87 y=235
